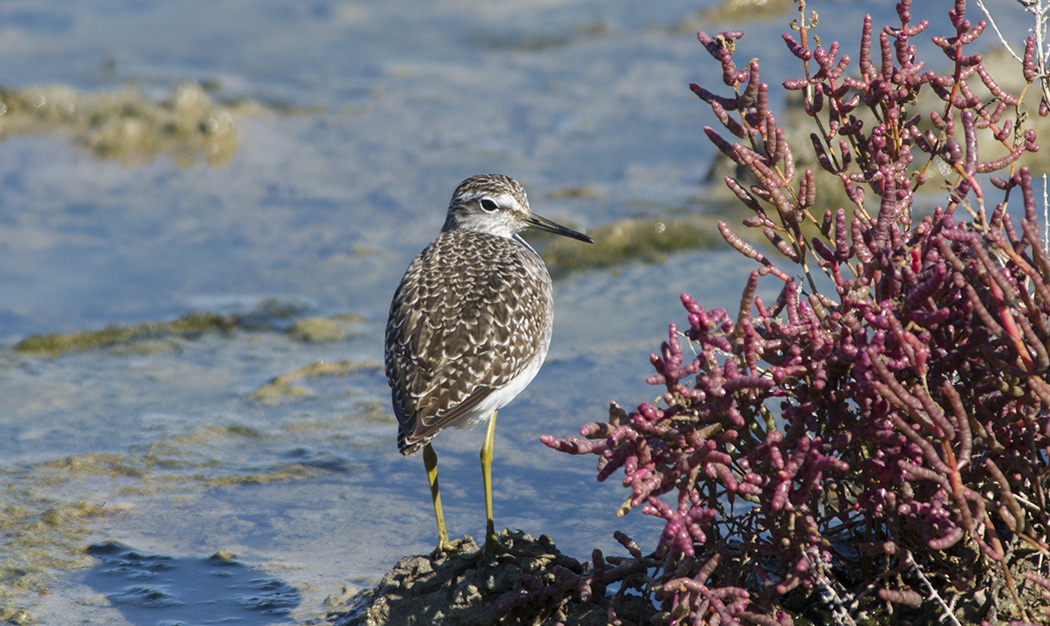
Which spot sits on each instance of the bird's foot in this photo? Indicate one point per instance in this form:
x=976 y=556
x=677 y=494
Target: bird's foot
x=494 y=547
x=467 y=549
x=446 y=548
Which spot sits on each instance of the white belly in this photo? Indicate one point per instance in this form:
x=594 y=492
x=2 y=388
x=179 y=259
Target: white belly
x=502 y=396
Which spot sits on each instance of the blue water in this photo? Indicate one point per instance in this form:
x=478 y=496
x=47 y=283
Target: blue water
x=322 y=208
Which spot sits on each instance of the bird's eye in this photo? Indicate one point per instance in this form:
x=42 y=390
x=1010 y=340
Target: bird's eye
x=488 y=205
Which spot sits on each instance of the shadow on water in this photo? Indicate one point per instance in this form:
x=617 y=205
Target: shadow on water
x=157 y=589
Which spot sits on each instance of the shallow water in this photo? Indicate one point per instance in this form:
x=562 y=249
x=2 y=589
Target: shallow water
x=154 y=453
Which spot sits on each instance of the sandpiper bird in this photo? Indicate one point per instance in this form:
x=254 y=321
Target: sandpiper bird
x=469 y=325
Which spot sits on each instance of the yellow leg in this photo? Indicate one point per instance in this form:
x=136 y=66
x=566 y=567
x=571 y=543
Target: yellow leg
x=486 y=478
x=430 y=461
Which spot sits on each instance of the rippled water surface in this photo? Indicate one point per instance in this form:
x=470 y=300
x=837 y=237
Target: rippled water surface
x=145 y=481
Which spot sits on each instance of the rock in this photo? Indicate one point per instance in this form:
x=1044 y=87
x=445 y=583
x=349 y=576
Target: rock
x=465 y=588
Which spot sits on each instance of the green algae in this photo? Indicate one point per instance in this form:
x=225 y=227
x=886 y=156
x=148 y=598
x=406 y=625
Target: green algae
x=730 y=11
x=127 y=125
x=282 y=388
x=521 y=42
x=318 y=330
x=649 y=240
x=350 y=318
x=575 y=192
x=39 y=534
x=105 y=463
x=187 y=326
x=371 y=412
x=161 y=337
x=292 y=472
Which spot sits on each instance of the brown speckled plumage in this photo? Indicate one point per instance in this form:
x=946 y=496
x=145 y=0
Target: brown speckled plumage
x=469 y=326
x=473 y=313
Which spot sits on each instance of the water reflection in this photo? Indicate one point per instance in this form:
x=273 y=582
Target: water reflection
x=162 y=589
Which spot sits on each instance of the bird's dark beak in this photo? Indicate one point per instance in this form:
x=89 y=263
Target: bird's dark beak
x=541 y=223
